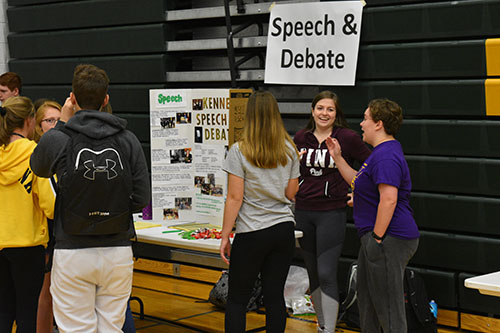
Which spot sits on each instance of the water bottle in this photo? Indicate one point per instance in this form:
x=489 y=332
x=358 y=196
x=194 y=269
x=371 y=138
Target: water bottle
x=433 y=308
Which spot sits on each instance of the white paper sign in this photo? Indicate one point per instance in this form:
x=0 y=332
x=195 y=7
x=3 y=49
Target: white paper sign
x=314 y=43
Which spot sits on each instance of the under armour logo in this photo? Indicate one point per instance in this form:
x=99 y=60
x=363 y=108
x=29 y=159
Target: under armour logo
x=109 y=168
x=92 y=169
x=314 y=172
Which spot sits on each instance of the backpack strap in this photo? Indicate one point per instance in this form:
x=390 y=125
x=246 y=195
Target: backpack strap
x=70 y=133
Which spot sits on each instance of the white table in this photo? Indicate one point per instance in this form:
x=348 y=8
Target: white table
x=155 y=235
x=488 y=284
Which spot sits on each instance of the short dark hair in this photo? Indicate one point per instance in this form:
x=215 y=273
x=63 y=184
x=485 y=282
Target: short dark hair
x=90 y=86
x=11 y=80
x=389 y=112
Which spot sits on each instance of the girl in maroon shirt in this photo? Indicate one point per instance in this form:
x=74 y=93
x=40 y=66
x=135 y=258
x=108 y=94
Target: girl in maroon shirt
x=320 y=211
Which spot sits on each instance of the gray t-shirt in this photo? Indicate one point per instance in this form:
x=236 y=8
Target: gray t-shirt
x=264 y=201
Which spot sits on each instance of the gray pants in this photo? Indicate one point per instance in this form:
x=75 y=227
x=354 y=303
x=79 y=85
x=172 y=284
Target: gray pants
x=380 y=283
x=321 y=245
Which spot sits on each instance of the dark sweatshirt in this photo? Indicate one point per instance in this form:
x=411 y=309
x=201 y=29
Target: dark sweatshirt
x=321 y=184
x=49 y=159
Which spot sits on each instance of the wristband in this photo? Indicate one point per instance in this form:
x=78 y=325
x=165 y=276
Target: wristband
x=377 y=237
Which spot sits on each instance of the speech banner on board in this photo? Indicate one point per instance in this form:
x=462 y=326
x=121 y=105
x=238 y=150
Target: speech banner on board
x=313 y=43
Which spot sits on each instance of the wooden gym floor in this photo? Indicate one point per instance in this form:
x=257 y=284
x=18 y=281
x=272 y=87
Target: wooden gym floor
x=176 y=302
x=169 y=312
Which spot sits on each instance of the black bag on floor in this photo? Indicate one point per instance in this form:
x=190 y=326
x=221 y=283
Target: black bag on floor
x=348 y=309
x=218 y=294
x=419 y=318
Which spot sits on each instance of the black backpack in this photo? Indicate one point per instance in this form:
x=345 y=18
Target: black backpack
x=348 y=309
x=419 y=318
x=95 y=189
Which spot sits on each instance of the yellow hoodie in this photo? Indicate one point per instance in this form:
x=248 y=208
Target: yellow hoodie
x=26 y=201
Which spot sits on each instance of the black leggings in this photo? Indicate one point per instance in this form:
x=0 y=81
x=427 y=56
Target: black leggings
x=21 y=277
x=268 y=252
x=321 y=245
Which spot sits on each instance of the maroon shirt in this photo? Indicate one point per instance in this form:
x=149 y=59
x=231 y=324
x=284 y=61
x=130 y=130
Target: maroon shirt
x=321 y=184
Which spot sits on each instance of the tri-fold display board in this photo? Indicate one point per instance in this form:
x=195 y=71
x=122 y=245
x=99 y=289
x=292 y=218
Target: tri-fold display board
x=191 y=130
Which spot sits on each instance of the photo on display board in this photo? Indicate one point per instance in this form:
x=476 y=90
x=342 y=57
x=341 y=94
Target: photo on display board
x=198 y=134
x=198 y=104
x=183 y=203
x=217 y=191
x=182 y=155
x=188 y=157
x=199 y=181
x=210 y=188
x=183 y=117
x=170 y=214
x=206 y=189
x=168 y=122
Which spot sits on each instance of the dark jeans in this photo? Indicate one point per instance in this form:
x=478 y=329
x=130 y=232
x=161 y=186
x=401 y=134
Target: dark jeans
x=21 y=277
x=128 y=325
x=268 y=252
x=379 y=283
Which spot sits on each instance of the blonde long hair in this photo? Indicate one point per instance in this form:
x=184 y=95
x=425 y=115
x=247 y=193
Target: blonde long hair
x=264 y=137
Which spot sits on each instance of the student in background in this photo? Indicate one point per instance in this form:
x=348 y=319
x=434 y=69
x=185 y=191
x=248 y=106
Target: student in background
x=47 y=115
x=27 y=201
x=383 y=218
x=263 y=171
x=10 y=85
x=320 y=208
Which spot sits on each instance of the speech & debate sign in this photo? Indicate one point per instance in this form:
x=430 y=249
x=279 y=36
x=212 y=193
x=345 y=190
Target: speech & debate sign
x=313 y=43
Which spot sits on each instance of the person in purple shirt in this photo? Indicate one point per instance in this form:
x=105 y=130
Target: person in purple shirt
x=383 y=217
x=320 y=207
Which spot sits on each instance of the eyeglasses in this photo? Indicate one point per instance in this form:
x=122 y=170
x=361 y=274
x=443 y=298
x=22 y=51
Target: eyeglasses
x=50 y=121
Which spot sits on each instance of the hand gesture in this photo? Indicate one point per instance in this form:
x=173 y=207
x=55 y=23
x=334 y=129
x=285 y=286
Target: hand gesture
x=333 y=147
x=68 y=110
x=302 y=152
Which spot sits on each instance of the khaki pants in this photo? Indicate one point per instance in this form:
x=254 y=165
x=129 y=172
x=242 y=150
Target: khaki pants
x=90 y=288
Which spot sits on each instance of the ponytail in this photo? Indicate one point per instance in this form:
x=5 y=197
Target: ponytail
x=13 y=112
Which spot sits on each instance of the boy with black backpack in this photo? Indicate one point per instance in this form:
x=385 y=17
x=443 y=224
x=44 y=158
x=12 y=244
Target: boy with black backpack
x=103 y=178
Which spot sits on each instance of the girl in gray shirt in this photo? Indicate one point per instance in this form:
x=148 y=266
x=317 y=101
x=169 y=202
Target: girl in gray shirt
x=263 y=171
